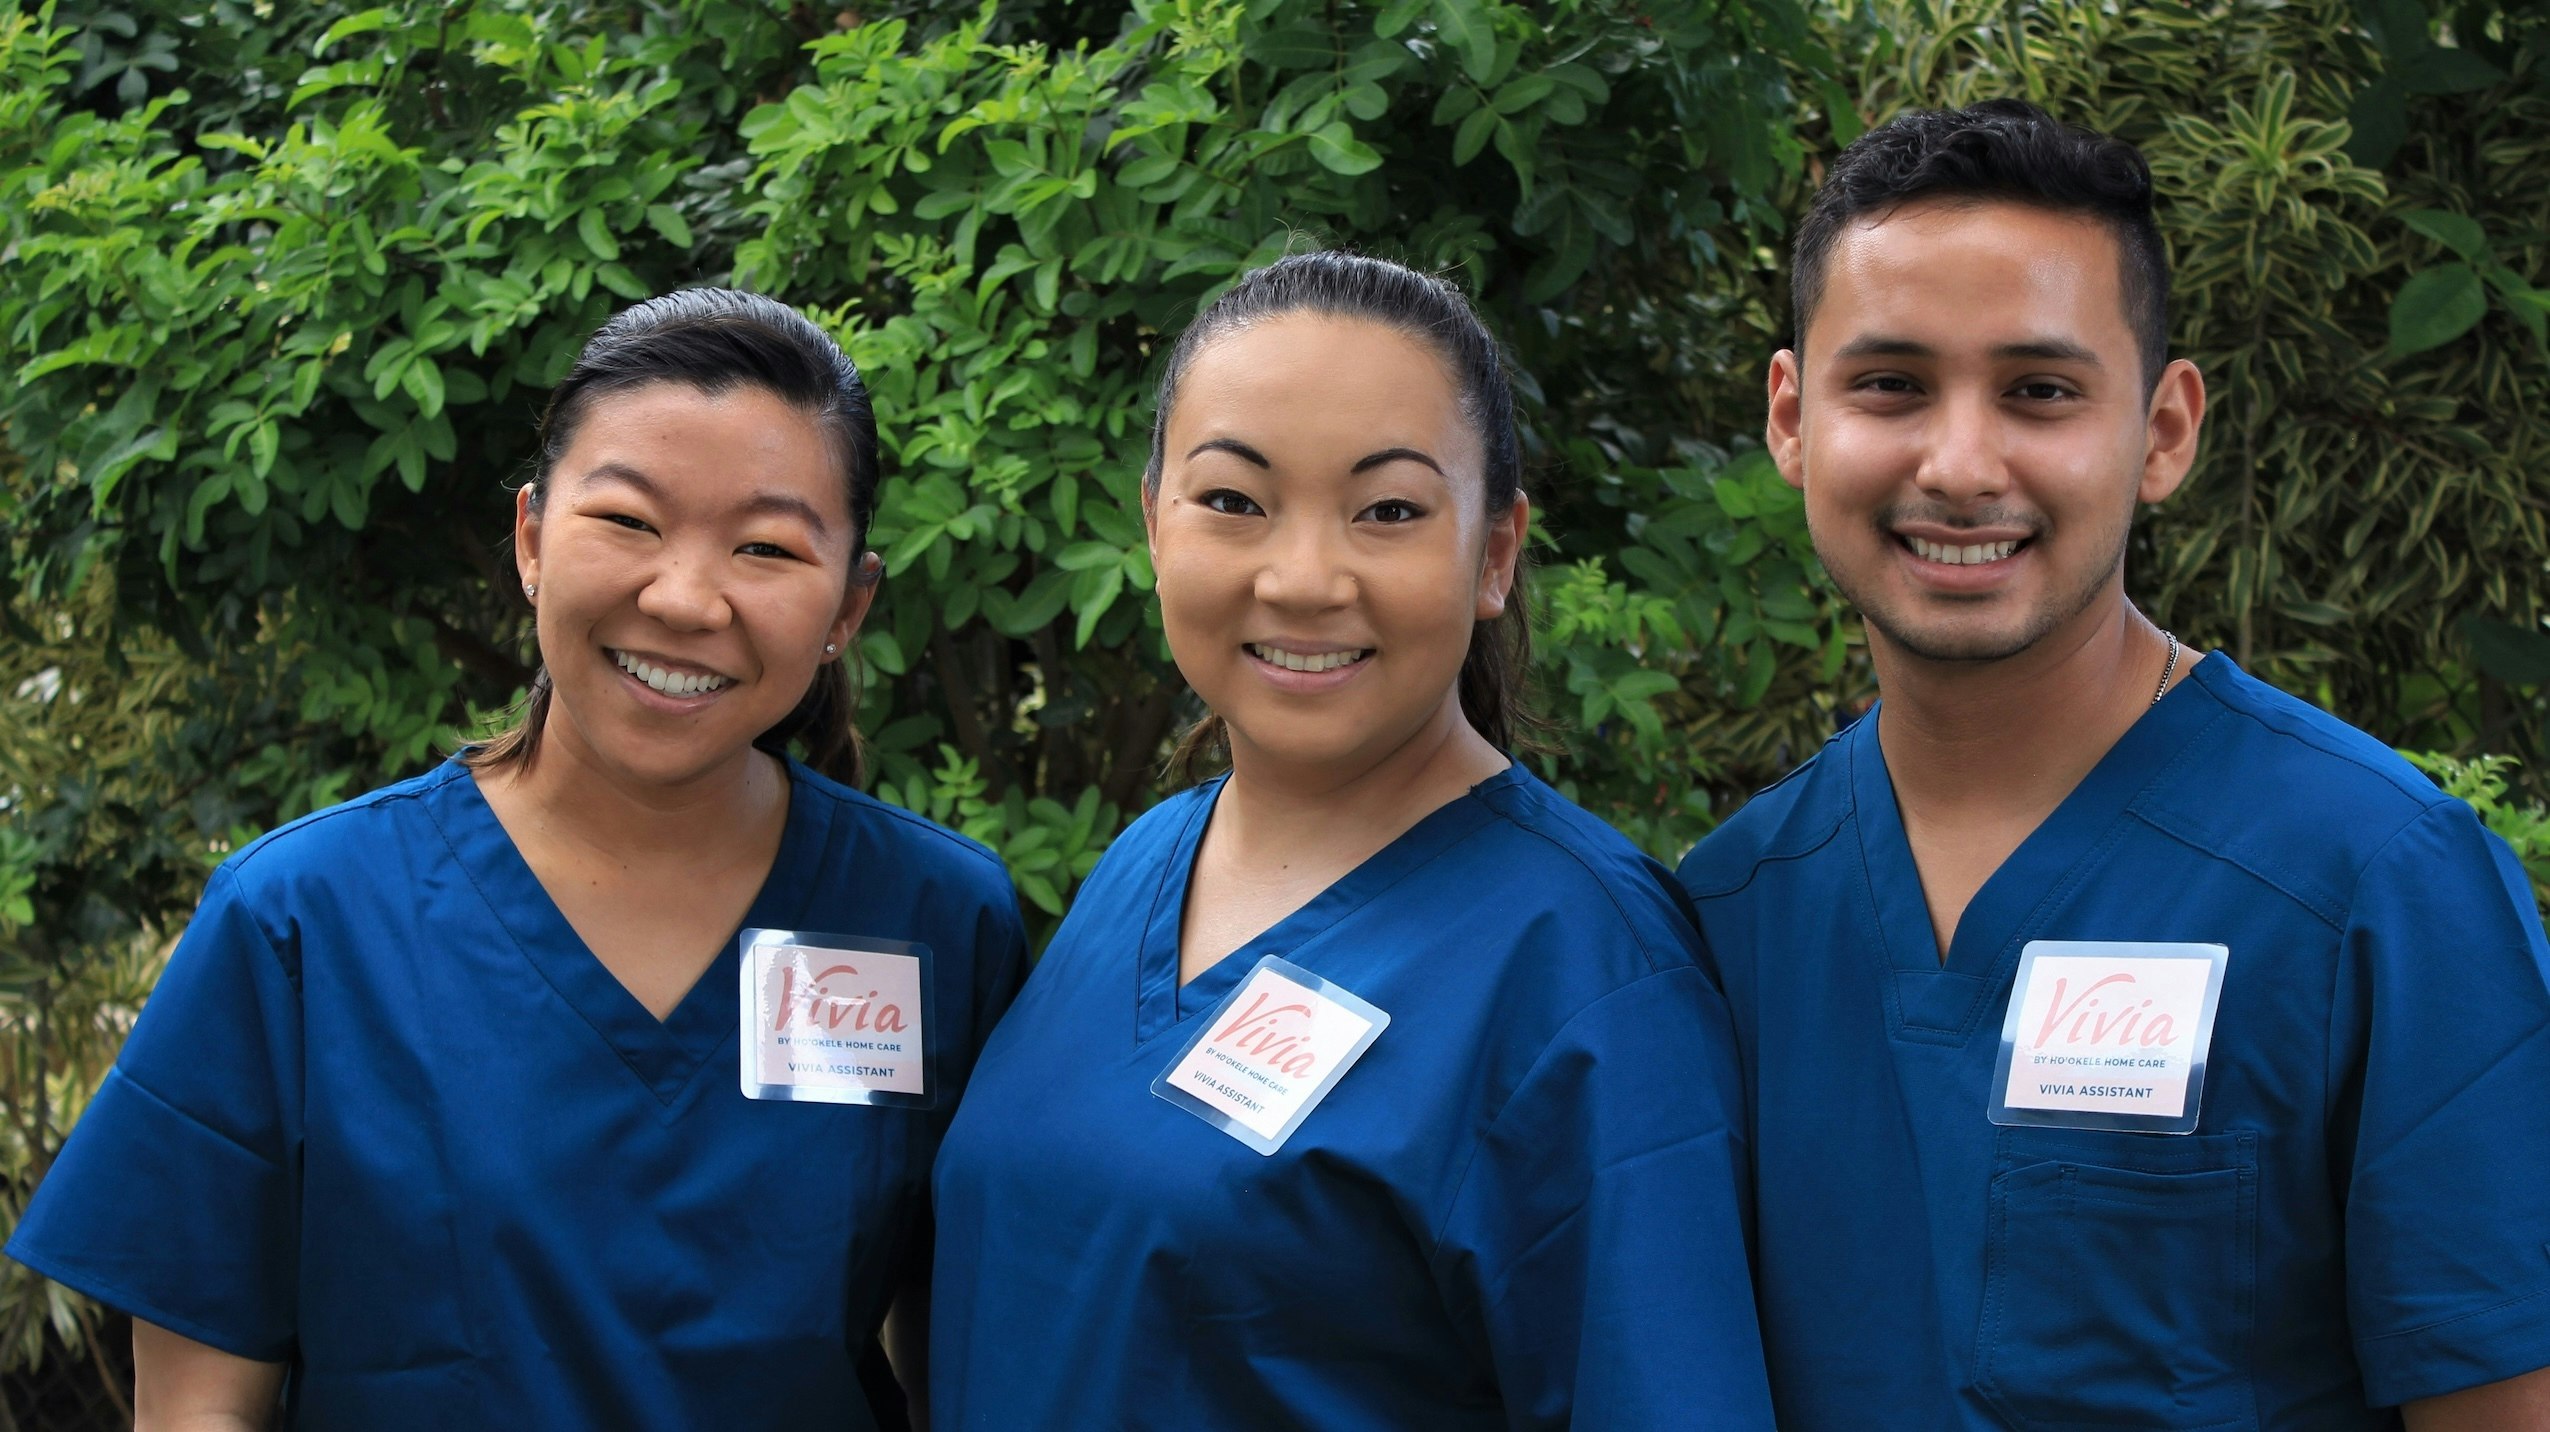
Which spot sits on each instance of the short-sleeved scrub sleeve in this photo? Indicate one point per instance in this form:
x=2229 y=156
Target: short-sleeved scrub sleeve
x=190 y=1145
x=2447 y=1189
x=1600 y=1223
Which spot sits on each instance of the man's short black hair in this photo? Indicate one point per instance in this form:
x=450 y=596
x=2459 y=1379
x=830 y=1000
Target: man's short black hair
x=2003 y=150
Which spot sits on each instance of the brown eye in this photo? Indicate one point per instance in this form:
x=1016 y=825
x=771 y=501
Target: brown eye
x=1229 y=503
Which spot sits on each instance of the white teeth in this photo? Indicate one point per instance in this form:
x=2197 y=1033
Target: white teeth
x=1961 y=556
x=671 y=683
x=1295 y=661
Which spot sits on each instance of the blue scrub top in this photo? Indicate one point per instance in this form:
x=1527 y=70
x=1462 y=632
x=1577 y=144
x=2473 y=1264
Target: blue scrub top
x=387 y=1120
x=1520 y=1206
x=2362 y=1216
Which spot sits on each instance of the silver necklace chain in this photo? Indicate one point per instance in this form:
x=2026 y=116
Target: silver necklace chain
x=2168 y=668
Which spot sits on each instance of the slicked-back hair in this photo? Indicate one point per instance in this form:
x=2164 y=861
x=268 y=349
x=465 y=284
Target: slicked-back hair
x=716 y=340
x=2001 y=150
x=1494 y=679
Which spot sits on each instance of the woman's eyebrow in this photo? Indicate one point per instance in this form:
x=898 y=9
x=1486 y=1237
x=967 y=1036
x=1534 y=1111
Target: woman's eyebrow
x=1235 y=448
x=779 y=504
x=1395 y=455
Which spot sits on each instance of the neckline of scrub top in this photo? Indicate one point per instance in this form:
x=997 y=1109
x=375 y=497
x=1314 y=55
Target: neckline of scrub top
x=1161 y=1003
x=666 y=1055
x=1943 y=1001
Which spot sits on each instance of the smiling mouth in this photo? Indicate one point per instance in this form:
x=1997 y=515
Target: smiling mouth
x=1299 y=661
x=670 y=683
x=1967 y=555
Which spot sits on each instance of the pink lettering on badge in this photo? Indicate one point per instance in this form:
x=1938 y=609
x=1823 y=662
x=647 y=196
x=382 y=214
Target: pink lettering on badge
x=1278 y=1038
x=820 y=1006
x=2092 y=1024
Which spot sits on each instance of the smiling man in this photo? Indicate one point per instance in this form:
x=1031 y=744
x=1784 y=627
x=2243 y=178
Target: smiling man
x=2128 y=1043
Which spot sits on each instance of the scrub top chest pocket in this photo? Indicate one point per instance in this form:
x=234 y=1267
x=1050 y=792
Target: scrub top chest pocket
x=2121 y=1281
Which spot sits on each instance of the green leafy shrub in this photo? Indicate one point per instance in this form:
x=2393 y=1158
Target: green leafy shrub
x=2524 y=825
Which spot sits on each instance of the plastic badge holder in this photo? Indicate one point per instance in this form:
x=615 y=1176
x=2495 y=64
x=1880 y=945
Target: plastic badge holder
x=837 y=1019
x=2114 y=1057
x=1302 y=1099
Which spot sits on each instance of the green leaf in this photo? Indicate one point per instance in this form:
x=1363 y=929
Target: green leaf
x=1141 y=172
x=880 y=649
x=1466 y=26
x=668 y=221
x=2435 y=307
x=1337 y=149
x=1304 y=45
x=1039 y=891
x=424 y=382
x=2518 y=656
x=1034 y=609
x=1397 y=16
x=1571 y=241
x=1093 y=592
x=1520 y=95
x=1473 y=135
x=595 y=230
x=1643 y=685
x=2377 y=123
x=1842 y=113
x=2457 y=232
x=360 y=23
x=1081 y=556
x=2442 y=70
x=262 y=441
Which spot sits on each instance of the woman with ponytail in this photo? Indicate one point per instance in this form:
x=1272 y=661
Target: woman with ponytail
x=592 y=1079
x=1371 y=1084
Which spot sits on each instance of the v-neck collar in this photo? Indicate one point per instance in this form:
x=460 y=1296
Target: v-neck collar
x=1160 y=1003
x=665 y=1055
x=1943 y=1001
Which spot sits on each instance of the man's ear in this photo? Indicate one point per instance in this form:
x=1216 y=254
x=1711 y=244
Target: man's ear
x=1782 y=430
x=2176 y=417
x=1505 y=538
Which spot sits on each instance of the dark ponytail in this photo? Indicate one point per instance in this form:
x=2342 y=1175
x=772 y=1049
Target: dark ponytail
x=1495 y=681
x=717 y=340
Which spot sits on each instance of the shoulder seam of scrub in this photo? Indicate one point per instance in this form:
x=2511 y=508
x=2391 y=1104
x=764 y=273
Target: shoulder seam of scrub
x=369 y=800
x=1760 y=858
x=1627 y=925
x=2443 y=808
x=252 y=910
x=2425 y=799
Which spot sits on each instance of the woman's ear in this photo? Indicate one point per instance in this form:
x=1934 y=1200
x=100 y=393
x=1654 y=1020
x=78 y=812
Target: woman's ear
x=527 y=537
x=1506 y=535
x=865 y=577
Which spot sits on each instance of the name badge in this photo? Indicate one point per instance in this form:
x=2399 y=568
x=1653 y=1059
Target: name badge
x=2108 y=1034
x=1269 y=1053
x=836 y=1019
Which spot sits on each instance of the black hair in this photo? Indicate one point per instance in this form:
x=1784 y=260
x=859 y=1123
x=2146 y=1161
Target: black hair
x=1495 y=676
x=716 y=340
x=2004 y=150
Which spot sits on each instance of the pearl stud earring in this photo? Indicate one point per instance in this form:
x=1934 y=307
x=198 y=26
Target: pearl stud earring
x=531 y=589
x=830 y=649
